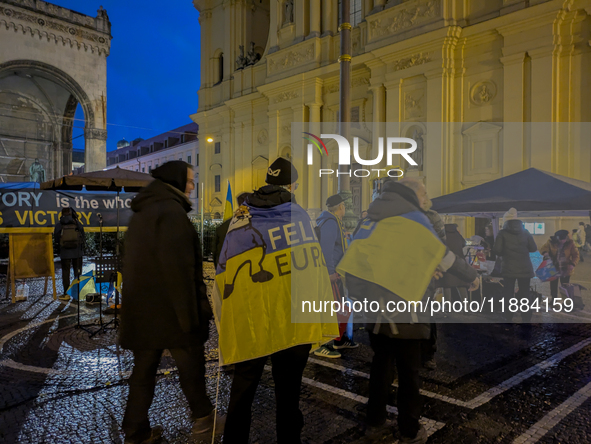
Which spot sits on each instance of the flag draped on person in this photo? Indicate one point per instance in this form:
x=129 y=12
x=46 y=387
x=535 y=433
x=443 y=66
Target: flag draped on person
x=398 y=253
x=229 y=207
x=270 y=267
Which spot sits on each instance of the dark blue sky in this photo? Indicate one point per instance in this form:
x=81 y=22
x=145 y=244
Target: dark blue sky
x=153 y=70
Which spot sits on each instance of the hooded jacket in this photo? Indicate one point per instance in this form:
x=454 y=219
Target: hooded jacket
x=269 y=196
x=165 y=302
x=69 y=253
x=332 y=239
x=513 y=244
x=456 y=243
x=398 y=200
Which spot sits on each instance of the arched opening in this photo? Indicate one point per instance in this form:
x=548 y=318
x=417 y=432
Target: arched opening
x=218 y=67
x=258 y=24
x=286 y=153
x=43 y=111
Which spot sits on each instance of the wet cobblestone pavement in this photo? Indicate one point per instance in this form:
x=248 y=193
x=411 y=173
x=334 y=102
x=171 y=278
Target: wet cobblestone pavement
x=494 y=383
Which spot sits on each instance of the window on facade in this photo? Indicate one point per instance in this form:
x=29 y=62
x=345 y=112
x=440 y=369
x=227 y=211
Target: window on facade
x=189 y=160
x=218 y=68
x=355 y=12
x=218 y=184
x=197 y=160
x=218 y=148
x=166 y=144
x=149 y=169
x=143 y=169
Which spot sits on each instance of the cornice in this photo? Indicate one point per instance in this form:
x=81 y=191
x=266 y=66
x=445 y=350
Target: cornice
x=41 y=26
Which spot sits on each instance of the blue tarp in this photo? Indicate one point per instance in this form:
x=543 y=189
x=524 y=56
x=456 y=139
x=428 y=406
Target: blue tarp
x=532 y=192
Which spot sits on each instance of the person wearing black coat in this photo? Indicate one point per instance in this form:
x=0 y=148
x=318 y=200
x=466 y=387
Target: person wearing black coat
x=514 y=244
x=70 y=257
x=452 y=285
x=165 y=301
x=398 y=344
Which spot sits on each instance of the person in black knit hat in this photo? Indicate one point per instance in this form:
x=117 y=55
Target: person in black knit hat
x=288 y=365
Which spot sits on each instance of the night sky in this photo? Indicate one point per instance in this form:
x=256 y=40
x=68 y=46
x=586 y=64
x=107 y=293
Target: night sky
x=153 y=69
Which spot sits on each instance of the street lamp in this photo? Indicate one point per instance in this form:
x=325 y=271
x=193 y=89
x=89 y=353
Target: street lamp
x=209 y=139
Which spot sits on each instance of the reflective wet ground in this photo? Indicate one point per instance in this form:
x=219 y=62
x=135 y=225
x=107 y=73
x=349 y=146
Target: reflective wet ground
x=493 y=383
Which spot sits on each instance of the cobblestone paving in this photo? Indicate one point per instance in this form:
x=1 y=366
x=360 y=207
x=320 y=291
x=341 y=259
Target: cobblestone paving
x=495 y=383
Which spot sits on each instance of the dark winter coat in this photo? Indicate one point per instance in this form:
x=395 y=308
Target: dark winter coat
x=514 y=244
x=165 y=302
x=331 y=240
x=456 y=243
x=69 y=253
x=396 y=200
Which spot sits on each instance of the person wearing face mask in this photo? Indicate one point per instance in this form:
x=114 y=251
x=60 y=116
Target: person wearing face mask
x=166 y=305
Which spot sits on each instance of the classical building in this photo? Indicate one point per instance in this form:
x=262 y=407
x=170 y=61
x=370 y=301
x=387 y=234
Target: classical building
x=51 y=60
x=450 y=74
x=144 y=155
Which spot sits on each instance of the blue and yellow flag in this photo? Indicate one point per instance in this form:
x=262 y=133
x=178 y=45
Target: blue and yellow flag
x=398 y=253
x=270 y=266
x=229 y=207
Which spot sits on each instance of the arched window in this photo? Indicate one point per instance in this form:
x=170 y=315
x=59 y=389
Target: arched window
x=218 y=67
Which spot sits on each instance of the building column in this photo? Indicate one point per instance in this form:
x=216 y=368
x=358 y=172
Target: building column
x=328 y=13
x=393 y=93
x=378 y=5
x=273 y=134
x=314 y=181
x=542 y=113
x=367 y=7
x=436 y=156
x=301 y=16
x=95 y=156
x=515 y=151
x=299 y=115
x=274 y=23
x=315 y=14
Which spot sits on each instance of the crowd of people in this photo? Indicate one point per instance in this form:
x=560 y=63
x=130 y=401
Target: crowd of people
x=173 y=312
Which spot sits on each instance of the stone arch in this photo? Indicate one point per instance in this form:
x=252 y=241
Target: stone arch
x=58 y=75
x=51 y=93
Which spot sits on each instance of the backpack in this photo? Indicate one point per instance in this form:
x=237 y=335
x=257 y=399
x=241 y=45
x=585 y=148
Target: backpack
x=318 y=229
x=70 y=237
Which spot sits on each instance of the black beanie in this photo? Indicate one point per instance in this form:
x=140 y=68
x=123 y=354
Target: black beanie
x=561 y=234
x=281 y=172
x=173 y=173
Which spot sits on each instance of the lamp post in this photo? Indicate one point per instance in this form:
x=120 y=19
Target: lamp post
x=349 y=220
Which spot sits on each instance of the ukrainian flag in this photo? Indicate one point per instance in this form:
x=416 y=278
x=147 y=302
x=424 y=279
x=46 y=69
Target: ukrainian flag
x=270 y=264
x=229 y=208
x=398 y=253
